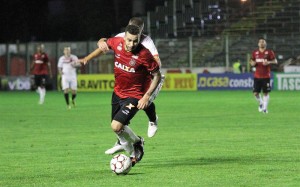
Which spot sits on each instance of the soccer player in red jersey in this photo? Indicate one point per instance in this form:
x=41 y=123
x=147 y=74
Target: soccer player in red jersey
x=40 y=68
x=132 y=65
x=261 y=59
x=151 y=109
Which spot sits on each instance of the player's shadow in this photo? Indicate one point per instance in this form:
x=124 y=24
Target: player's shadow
x=134 y=173
x=207 y=161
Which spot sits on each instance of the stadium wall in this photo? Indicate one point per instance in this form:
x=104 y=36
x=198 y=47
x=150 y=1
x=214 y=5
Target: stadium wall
x=173 y=82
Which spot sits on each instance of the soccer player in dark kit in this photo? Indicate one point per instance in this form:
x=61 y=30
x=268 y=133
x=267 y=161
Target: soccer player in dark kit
x=261 y=59
x=40 y=68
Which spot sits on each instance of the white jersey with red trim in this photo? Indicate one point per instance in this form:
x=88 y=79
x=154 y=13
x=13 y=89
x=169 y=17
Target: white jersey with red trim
x=66 y=63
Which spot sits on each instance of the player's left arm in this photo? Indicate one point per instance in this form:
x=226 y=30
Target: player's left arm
x=143 y=103
x=273 y=61
x=268 y=62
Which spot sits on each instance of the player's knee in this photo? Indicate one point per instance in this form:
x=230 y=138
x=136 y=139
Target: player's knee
x=116 y=126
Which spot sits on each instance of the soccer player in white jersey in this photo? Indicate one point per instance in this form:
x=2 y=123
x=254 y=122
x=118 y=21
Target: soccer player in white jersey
x=67 y=65
x=148 y=43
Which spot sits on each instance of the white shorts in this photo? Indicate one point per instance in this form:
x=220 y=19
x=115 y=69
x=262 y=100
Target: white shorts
x=69 y=82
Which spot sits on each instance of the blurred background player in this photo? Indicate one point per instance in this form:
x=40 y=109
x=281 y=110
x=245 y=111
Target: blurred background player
x=132 y=65
x=151 y=109
x=41 y=68
x=261 y=59
x=67 y=67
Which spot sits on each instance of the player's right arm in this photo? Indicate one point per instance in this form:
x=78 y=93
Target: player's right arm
x=252 y=61
x=96 y=52
x=103 y=45
x=59 y=66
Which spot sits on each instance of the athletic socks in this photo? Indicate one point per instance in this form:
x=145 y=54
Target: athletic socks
x=259 y=99
x=150 y=111
x=266 y=102
x=127 y=138
x=73 y=97
x=67 y=98
x=42 y=92
x=130 y=135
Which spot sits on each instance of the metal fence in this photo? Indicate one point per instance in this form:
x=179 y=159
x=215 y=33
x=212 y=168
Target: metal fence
x=192 y=52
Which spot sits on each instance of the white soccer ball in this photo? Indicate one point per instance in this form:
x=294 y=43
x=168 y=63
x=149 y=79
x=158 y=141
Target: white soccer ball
x=120 y=164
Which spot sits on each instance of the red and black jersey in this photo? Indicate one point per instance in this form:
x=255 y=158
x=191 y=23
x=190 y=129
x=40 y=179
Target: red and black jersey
x=131 y=69
x=40 y=64
x=262 y=71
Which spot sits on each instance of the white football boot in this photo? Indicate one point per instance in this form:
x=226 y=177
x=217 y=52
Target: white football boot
x=152 y=128
x=115 y=149
x=260 y=108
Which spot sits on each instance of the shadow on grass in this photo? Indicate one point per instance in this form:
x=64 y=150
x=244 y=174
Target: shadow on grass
x=246 y=160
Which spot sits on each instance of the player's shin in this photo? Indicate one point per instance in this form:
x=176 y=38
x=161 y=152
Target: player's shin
x=151 y=113
x=258 y=99
x=42 y=93
x=266 y=102
x=125 y=142
x=132 y=137
x=67 y=98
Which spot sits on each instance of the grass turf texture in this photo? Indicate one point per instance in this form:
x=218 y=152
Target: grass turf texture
x=210 y=138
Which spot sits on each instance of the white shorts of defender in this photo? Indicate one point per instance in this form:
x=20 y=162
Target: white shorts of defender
x=69 y=82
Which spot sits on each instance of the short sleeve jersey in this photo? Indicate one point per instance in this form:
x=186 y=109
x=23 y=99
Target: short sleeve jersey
x=261 y=70
x=65 y=62
x=40 y=64
x=131 y=68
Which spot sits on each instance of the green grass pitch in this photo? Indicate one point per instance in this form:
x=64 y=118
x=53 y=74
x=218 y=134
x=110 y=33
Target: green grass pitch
x=205 y=138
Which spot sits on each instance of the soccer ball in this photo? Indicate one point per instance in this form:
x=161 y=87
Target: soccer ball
x=120 y=164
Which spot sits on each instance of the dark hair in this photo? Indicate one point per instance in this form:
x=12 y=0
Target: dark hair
x=132 y=29
x=262 y=38
x=136 y=21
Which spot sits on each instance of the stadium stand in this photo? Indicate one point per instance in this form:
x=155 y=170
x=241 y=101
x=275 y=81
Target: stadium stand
x=196 y=33
x=276 y=20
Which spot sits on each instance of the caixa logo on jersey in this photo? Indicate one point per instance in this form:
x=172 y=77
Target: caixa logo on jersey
x=15 y=83
x=124 y=67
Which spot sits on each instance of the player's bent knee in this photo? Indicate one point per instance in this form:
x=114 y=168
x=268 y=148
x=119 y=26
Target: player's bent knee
x=116 y=126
